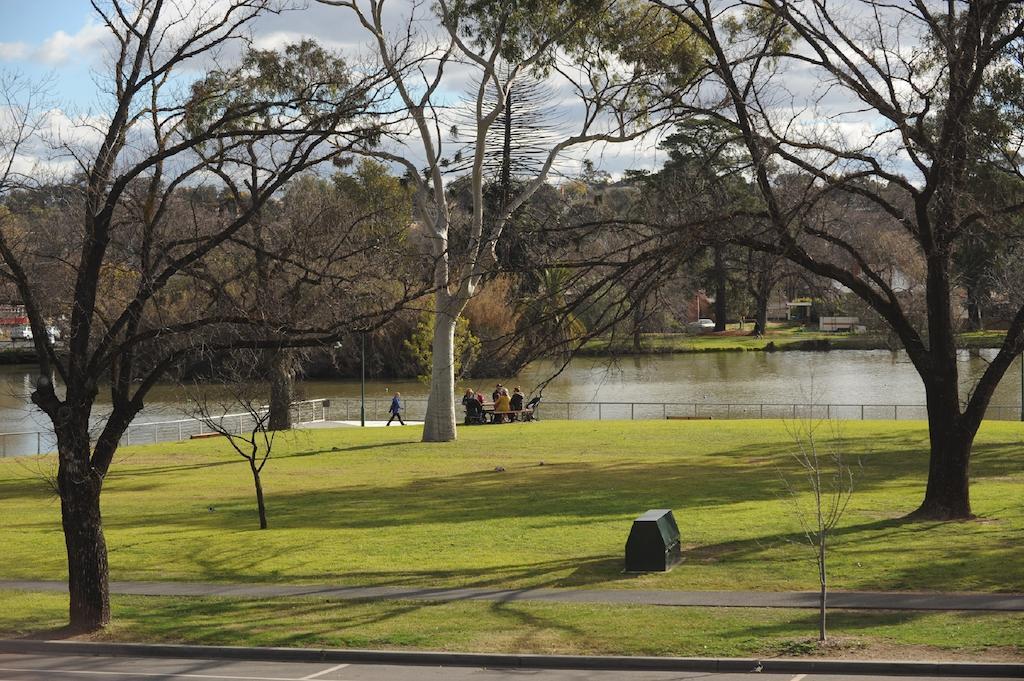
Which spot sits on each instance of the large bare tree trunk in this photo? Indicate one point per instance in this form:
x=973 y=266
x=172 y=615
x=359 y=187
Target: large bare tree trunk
x=282 y=385
x=439 y=423
x=83 y=537
x=947 y=495
x=761 y=320
x=638 y=321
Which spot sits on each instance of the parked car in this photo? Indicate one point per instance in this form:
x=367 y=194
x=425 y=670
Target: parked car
x=701 y=325
x=21 y=333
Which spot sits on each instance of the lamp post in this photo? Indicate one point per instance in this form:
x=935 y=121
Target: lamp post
x=362 y=379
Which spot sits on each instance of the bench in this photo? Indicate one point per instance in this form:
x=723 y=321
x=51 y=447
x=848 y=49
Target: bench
x=527 y=414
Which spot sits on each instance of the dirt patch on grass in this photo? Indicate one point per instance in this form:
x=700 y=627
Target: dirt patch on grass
x=862 y=648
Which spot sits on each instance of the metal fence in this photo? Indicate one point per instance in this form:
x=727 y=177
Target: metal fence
x=376 y=409
x=39 y=442
x=753 y=410
x=347 y=409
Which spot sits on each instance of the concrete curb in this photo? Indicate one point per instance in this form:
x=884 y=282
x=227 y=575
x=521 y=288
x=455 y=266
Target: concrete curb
x=619 y=663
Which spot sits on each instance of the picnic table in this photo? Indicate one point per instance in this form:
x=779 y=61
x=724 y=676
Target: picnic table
x=488 y=408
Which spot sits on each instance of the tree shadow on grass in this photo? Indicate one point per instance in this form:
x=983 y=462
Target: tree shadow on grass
x=804 y=623
x=576 y=571
x=311 y=621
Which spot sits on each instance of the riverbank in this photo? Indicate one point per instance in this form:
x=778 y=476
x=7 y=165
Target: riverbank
x=778 y=338
x=17 y=355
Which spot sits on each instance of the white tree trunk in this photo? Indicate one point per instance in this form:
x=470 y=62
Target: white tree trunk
x=439 y=423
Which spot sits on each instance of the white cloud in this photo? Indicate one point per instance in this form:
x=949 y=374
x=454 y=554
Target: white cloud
x=60 y=128
x=13 y=51
x=61 y=47
x=277 y=40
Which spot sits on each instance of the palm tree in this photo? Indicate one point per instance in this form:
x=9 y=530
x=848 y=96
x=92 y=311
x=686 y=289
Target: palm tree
x=548 y=318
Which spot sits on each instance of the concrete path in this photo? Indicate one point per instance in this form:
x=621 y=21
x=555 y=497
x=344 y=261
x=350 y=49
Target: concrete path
x=852 y=600
x=313 y=425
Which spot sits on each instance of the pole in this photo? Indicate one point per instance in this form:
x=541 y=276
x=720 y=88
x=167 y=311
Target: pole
x=362 y=380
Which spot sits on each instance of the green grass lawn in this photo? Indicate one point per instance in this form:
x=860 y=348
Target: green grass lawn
x=376 y=507
x=525 y=627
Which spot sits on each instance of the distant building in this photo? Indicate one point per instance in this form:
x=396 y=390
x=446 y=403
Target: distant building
x=799 y=311
x=13 y=320
x=840 y=324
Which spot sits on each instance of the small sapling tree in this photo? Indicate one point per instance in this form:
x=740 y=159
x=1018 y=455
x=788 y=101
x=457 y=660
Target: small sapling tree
x=818 y=496
x=234 y=409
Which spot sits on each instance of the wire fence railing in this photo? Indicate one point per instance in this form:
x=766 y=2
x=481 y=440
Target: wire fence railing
x=152 y=432
x=377 y=409
x=347 y=409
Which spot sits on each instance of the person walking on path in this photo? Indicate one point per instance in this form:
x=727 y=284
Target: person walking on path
x=396 y=409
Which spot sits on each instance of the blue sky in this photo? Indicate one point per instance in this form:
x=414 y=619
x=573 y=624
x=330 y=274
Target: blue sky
x=35 y=21
x=35 y=35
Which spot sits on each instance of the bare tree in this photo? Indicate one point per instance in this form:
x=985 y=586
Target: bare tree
x=234 y=408
x=941 y=85
x=129 y=267
x=610 y=57
x=828 y=480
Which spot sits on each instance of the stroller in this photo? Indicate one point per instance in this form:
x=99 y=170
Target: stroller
x=531 y=415
x=474 y=413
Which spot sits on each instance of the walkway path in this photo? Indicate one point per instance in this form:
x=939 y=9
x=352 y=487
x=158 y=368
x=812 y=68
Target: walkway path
x=313 y=425
x=853 y=600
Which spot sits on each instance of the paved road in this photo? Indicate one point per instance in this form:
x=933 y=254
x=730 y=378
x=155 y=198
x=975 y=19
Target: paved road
x=71 y=667
x=868 y=600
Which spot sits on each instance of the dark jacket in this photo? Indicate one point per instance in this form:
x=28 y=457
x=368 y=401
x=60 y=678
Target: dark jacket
x=396 y=405
x=517 y=401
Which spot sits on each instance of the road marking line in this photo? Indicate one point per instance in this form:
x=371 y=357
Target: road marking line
x=326 y=671
x=798 y=677
x=163 y=675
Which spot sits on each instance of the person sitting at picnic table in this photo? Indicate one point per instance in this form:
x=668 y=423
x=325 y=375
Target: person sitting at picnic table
x=516 y=402
x=474 y=407
x=497 y=393
x=502 y=407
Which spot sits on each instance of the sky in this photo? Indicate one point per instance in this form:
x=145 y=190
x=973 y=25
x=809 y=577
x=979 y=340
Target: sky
x=51 y=39
x=61 y=41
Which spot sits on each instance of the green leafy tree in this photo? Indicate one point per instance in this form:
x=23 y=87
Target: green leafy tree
x=467 y=347
x=624 y=62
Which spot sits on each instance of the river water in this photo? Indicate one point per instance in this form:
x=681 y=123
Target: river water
x=853 y=377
